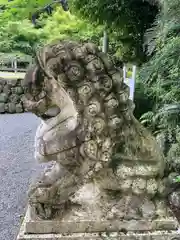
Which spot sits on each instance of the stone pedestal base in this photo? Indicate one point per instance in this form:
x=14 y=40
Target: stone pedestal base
x=101 y=236
x=82 y=229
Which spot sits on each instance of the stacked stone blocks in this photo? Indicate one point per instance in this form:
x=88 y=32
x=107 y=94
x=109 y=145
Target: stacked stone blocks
x=11 y=92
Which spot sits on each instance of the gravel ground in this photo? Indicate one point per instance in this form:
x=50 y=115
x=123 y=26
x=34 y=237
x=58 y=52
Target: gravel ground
x=17 y=167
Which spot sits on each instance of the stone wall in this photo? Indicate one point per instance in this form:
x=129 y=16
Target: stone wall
x=11 y=92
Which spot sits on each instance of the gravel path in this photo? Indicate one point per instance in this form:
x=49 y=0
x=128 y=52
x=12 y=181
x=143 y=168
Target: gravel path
x=17 y=167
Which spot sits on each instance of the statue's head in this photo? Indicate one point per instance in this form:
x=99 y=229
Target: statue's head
x=77 y=81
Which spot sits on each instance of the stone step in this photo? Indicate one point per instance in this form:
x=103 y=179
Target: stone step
x=157 y=235
x=72 y=224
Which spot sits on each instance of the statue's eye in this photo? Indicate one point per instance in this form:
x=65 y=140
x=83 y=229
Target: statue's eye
x=35 y=91
x=39 y=95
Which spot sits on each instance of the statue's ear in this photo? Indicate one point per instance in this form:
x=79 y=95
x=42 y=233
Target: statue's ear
x=30 y=76
x=33 y=77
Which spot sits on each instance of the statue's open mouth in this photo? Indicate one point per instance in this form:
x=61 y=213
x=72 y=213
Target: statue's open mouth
x=45 y=117
x=50 y=113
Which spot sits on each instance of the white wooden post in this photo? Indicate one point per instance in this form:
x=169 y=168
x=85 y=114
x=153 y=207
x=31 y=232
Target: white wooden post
x=12 y=64
x=124 y=73
x=105 y=42
x=133 y=82
x=130 y=81
x=15 y=65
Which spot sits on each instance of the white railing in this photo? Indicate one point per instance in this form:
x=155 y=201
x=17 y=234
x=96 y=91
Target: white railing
x=14 y=64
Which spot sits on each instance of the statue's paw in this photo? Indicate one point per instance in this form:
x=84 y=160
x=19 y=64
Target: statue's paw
x=44 y=211
x=32 y=191
x=38 y=185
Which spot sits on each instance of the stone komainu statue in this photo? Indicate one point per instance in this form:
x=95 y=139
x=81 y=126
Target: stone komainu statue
x=104 y=161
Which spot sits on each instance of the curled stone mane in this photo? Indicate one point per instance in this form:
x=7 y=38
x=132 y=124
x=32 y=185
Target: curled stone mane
x=95 y=137
x=99 y=93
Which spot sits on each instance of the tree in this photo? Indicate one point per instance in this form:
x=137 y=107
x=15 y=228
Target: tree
x=128 y=19
x=161 y=74
x=16 y=31
x=64 y=25
x=19 y=35
x=20 y=9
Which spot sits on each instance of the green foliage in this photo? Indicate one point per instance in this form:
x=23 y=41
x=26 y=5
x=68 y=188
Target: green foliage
x=177 y=179
x=161 y=74
x=143 y=102
x=147 y=119
x=19 y=35
x=126 y=22
x=63 y=25
x=163 y=119
x=20 y=9
x=126 y=19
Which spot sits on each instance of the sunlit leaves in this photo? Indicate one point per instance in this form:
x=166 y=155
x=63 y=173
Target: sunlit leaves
x=19 y=34
x=130 y=17
x=63 y=25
